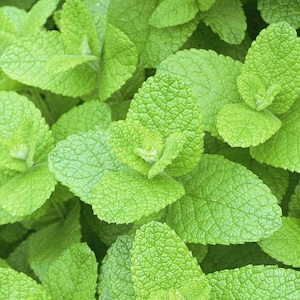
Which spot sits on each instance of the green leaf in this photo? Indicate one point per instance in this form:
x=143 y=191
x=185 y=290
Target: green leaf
x=78 y=30
x=227 y=19
x=115 y=277
x=37 y=16
x=283 y=245
x=282 y=149
x=211 y=78
x=153 y=44
x=225 y=203
x=26 y=60
x=255 y=282
x=241 y=126
x=15 y=285
x=73 y=275
x=165 y=104
x=205 y=4
x=135 y=145
x=267 y=77
x=167 y=14
x=47 y=244
x=161 y=261
x=118 y=62
x=273 y=11
x=80 y=161
x=26 y=192
x=88 y=116
x=294 y=204
x=123 y=197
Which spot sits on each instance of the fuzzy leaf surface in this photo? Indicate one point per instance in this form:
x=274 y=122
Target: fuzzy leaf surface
x=72 y=275
x=242 y=126
x=161 y=261
x=273 y=11
x=15 y=285
x=271 y=69
x=211 y=78
x=228 y=20
x=26 y=60
x=115 y=280
x=282 y=149
x=224 y=203
x=255 y=282
x=118 y=62
x=80 y=161
x=124 y=197
x=165 y=104
x=283 y=244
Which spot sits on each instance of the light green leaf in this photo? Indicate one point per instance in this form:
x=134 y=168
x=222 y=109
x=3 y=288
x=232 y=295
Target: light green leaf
x=211 y=78
x=115 y=277
x=227 y=19
x=255 y=282
x=135 y=145
x=118 y=62
x=167 y=13
x=26 y=192
x=153 y=44
x=73 y=275
x=161 y=261
x=267 y=77
x=47 y=244
x=283 y=245
x=90 y=115
x=165 y=104
x=225 y=203
x=205 y=4
x=37 y=16
x=15 y=285
x=282 y=149
x=273 y=11
x=78 y=29
x=124 y=197
x=26 y=61
x=294 y=204
x=172 y=148
x=80 y=161
x=241 y=126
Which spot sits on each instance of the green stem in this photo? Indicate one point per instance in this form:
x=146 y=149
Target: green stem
x=41 y=105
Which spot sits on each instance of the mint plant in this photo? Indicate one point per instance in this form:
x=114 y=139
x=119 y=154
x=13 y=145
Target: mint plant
x=149 y=150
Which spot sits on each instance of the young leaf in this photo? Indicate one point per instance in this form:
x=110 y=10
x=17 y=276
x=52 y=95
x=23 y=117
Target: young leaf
x=80 y=161
x=73 y=275
x=78 y=29
x=294 y=204
x=26 y=60
x=228 y=203
x=266 y=76
x=241 y=126
x=123 y=197
x=282 y=149
x=167 y=14
x=162 y=262
x=115 y=277
x=255 y=282
x=118 y=62
x=165 y=104
x=37 y=16
x=15 y=285
x=283 y=244
x=211 y=78
x=47 y=244
x=153 y=44
x=205 y=4
x=88 y=116
x=135 y=145
x=227 y=19
x=273 y=11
